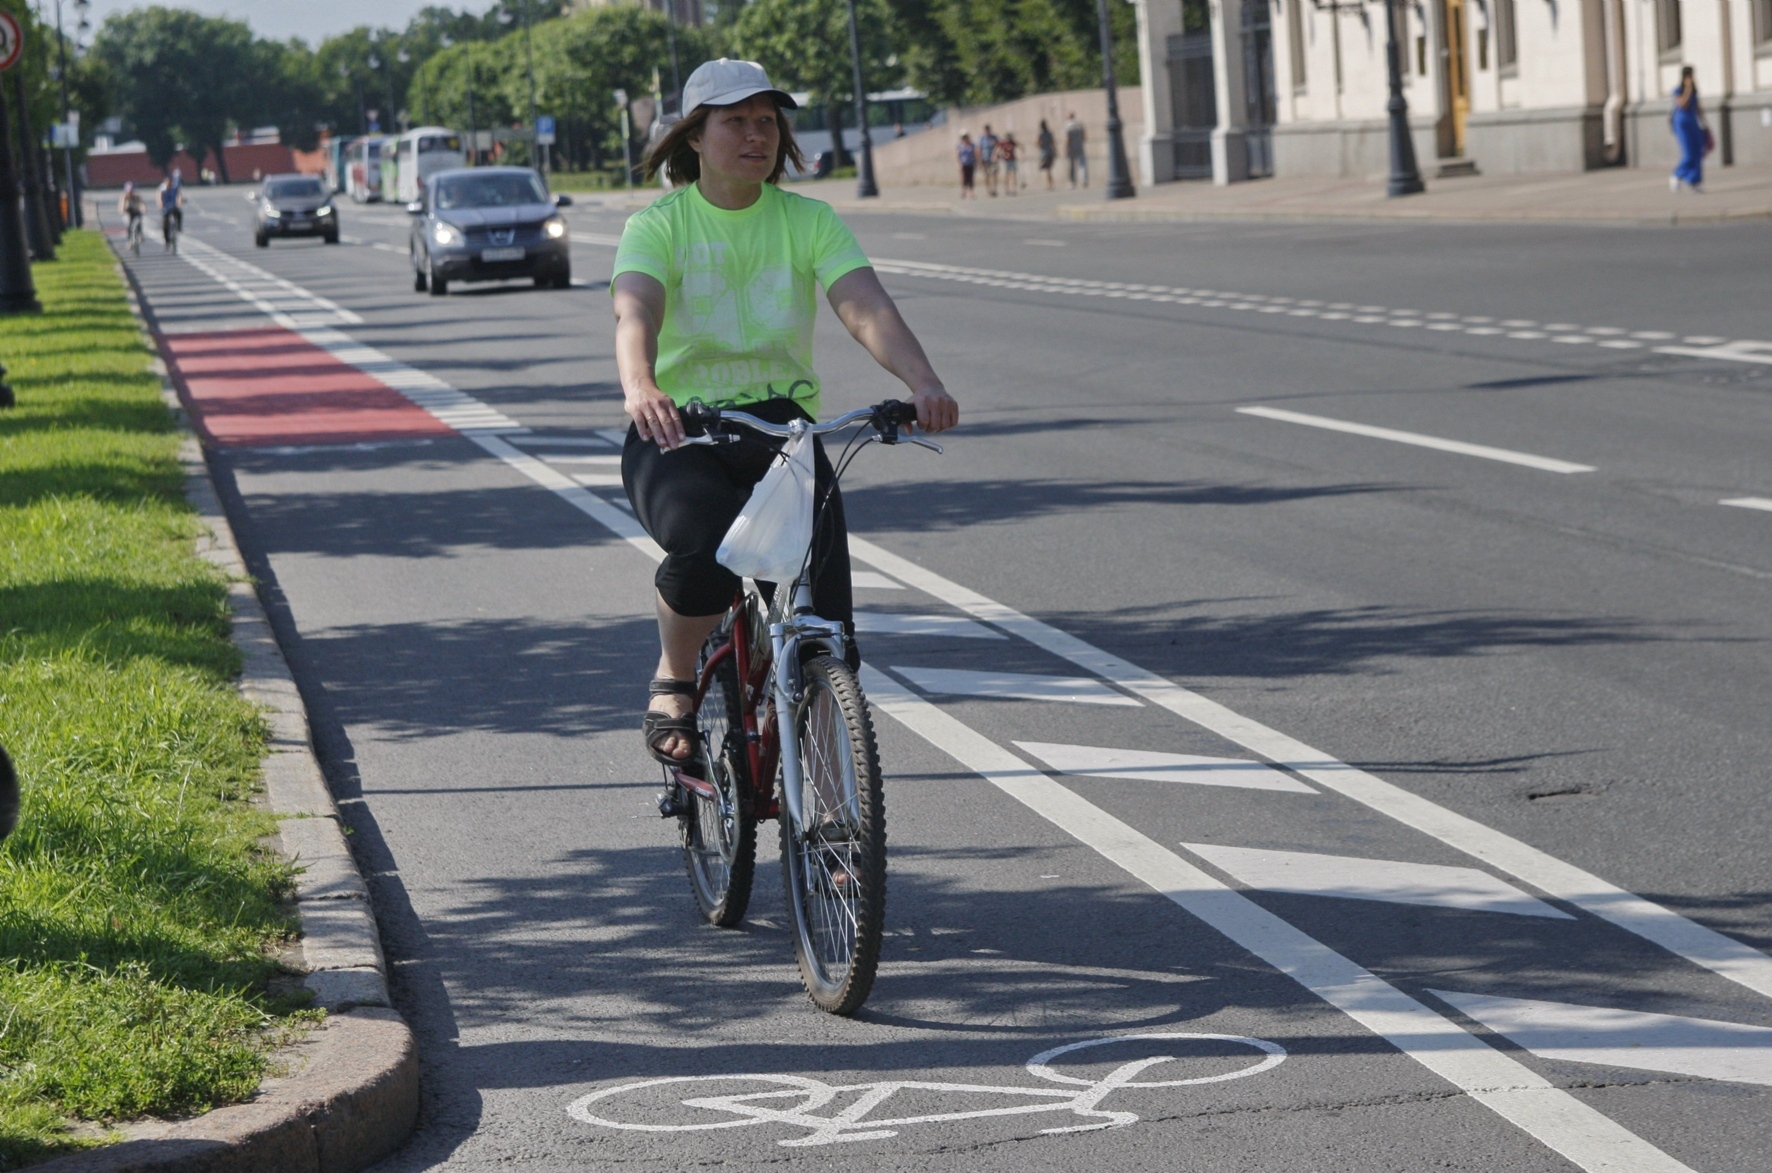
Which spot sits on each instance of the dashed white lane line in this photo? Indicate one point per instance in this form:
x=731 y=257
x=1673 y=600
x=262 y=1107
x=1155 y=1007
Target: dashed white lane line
x=1662 y=926
x=1504 y=1085
x=897 y=623
x=1520 y=329
x=1387 y=880
x=1026 y=686
x=543 y=441
x=1704 y=1047
x=577 y=458
x=1748 y=502
x=1093 y=761
x=287 y=304
x=1544 y=463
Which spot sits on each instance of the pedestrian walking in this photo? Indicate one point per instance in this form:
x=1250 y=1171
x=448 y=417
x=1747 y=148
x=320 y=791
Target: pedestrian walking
x=1007 y=151
x=967 y=153
x=987 y=158
x=1692 y=133
x=1074 y=150
x=1048 y=152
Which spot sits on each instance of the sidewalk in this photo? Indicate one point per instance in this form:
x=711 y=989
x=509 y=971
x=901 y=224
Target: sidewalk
x=1613 y=196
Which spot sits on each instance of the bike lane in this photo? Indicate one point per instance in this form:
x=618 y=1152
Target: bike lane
x=1077 y=926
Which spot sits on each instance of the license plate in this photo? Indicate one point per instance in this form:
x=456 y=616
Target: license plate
x=299 y=222
x=502 y=254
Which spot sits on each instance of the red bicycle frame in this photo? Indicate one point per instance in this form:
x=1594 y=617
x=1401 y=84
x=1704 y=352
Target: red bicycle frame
x=762 y=747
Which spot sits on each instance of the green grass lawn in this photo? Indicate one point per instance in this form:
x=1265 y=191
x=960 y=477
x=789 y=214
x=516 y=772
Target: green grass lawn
x=137 y=912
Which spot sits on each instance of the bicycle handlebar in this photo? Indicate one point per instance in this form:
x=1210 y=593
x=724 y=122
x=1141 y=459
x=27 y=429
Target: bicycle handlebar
x=701 y=423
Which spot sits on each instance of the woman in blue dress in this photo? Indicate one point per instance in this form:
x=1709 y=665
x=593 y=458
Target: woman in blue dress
x=1690 y=131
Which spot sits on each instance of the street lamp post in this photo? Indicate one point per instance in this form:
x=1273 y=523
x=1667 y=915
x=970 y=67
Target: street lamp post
x=74 y=215
x=864 y=165
x=36 y=214
x=1119 y=184
x=17 y=293
x=1405 y=178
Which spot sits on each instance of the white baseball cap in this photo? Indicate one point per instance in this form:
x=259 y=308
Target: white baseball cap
x=724 y=82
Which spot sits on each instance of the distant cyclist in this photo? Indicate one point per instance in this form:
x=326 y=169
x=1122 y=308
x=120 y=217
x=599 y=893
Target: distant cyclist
x=716 y=295
x=172 y=206
x=132 y=208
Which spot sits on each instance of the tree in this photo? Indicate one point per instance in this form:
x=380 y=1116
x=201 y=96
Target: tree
x=180 y=78
x=805 y=46
x=978 y=52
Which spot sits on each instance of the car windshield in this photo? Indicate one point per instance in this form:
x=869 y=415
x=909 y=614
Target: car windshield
x=490 y=191
x=293 y=189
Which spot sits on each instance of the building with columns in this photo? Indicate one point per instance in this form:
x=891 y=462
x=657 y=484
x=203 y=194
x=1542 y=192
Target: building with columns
x=1243 y=89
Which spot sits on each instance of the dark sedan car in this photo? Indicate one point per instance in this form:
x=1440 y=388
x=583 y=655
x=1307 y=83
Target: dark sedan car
x=488 y=224
x=293 y=205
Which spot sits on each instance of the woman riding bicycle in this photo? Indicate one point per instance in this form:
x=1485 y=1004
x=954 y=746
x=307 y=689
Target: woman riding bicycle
x=132 y=208
x=714 y=291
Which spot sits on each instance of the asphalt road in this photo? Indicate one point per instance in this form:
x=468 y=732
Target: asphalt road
x=1496 y=901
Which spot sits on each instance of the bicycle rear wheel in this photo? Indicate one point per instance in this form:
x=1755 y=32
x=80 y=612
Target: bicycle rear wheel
x=834 y=864
x=720 y=833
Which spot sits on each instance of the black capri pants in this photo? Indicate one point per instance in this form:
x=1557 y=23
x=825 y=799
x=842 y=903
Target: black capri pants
x=687 y=500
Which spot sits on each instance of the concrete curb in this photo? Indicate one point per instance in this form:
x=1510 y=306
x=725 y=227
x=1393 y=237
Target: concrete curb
x=348 y=1094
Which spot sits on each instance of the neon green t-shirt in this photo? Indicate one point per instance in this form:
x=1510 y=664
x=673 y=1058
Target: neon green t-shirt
x=741 y=292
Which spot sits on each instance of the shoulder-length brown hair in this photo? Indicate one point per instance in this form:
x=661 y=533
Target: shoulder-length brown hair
x=681 y=163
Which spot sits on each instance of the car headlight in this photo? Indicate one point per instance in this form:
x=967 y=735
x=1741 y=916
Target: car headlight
x=555 y=228
x=323 y=210
x=273 y=214
x=445 y=235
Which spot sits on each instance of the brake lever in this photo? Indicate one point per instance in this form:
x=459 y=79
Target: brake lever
x=921 y=443
x=711 y=438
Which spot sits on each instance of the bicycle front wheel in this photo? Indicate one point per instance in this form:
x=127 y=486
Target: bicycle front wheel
x=834 y=862
x=720 y=833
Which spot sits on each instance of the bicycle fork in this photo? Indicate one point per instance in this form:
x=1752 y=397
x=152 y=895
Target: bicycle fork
x=789 y=692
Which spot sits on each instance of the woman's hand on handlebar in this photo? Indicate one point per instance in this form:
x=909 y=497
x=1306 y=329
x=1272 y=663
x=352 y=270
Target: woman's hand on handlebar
x=936 y=409
x=655 y=416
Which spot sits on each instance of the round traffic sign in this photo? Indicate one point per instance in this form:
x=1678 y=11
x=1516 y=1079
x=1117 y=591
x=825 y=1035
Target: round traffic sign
x=12 y=40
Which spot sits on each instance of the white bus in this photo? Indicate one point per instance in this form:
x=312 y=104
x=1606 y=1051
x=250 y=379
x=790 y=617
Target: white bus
x=422 y=152
x=363 y=170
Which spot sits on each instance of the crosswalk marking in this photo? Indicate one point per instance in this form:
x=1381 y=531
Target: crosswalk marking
x=1090 y=761
x=896 y=623
x=1026 y=686
x=1391 y=881
x=1702 y=1047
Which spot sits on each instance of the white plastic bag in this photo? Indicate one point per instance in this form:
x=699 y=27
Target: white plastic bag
x=769 y=538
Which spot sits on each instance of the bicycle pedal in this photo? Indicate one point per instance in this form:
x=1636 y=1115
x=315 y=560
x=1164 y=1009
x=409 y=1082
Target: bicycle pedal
x=671 y=804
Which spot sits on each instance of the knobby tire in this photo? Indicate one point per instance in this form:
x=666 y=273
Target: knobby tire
x=834 y=868
x=720 y=845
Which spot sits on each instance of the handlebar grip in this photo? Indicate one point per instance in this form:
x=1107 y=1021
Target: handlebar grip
x=698 y=418
x=895 y=411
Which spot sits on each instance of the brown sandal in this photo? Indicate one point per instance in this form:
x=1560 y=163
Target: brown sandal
x=655 y=727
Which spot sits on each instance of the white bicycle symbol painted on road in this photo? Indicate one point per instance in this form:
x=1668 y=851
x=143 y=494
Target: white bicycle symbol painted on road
x=800 y=1102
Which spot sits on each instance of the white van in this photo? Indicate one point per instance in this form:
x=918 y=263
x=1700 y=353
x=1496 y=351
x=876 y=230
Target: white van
x=363 y=169
x=422 y=152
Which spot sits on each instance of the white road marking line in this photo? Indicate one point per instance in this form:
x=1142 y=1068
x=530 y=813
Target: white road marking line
x=598 y=480
x=1090 y=761
x=1748 y=502
x=1702 y=1047
x=1500 y=1083
x=873 y=580
x=575 y=458
x=1387 y=880
x=596 y=238
x=1703 y=340
x=1527 y=334
x=1651 y=335
x=1026 y=686
x=894 y=623
x=1685 y=938
x=330 y=313
x=616 y=436
x=1035 y=240
x=1744 y=351
x=1545 y=463
x=1572 y=339
x=540 y=441
x=1621 y=344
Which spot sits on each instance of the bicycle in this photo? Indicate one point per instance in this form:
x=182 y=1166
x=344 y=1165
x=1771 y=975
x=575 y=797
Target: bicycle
x=135 y=235
x=170 y=224
x=766 y=659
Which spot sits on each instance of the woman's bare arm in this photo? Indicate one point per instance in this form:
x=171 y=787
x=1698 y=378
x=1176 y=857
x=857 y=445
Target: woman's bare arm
x=869 y=313
x=639 y=312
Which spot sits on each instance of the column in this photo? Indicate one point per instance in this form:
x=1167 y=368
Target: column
x=1158 y=20
x=1230 y=151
